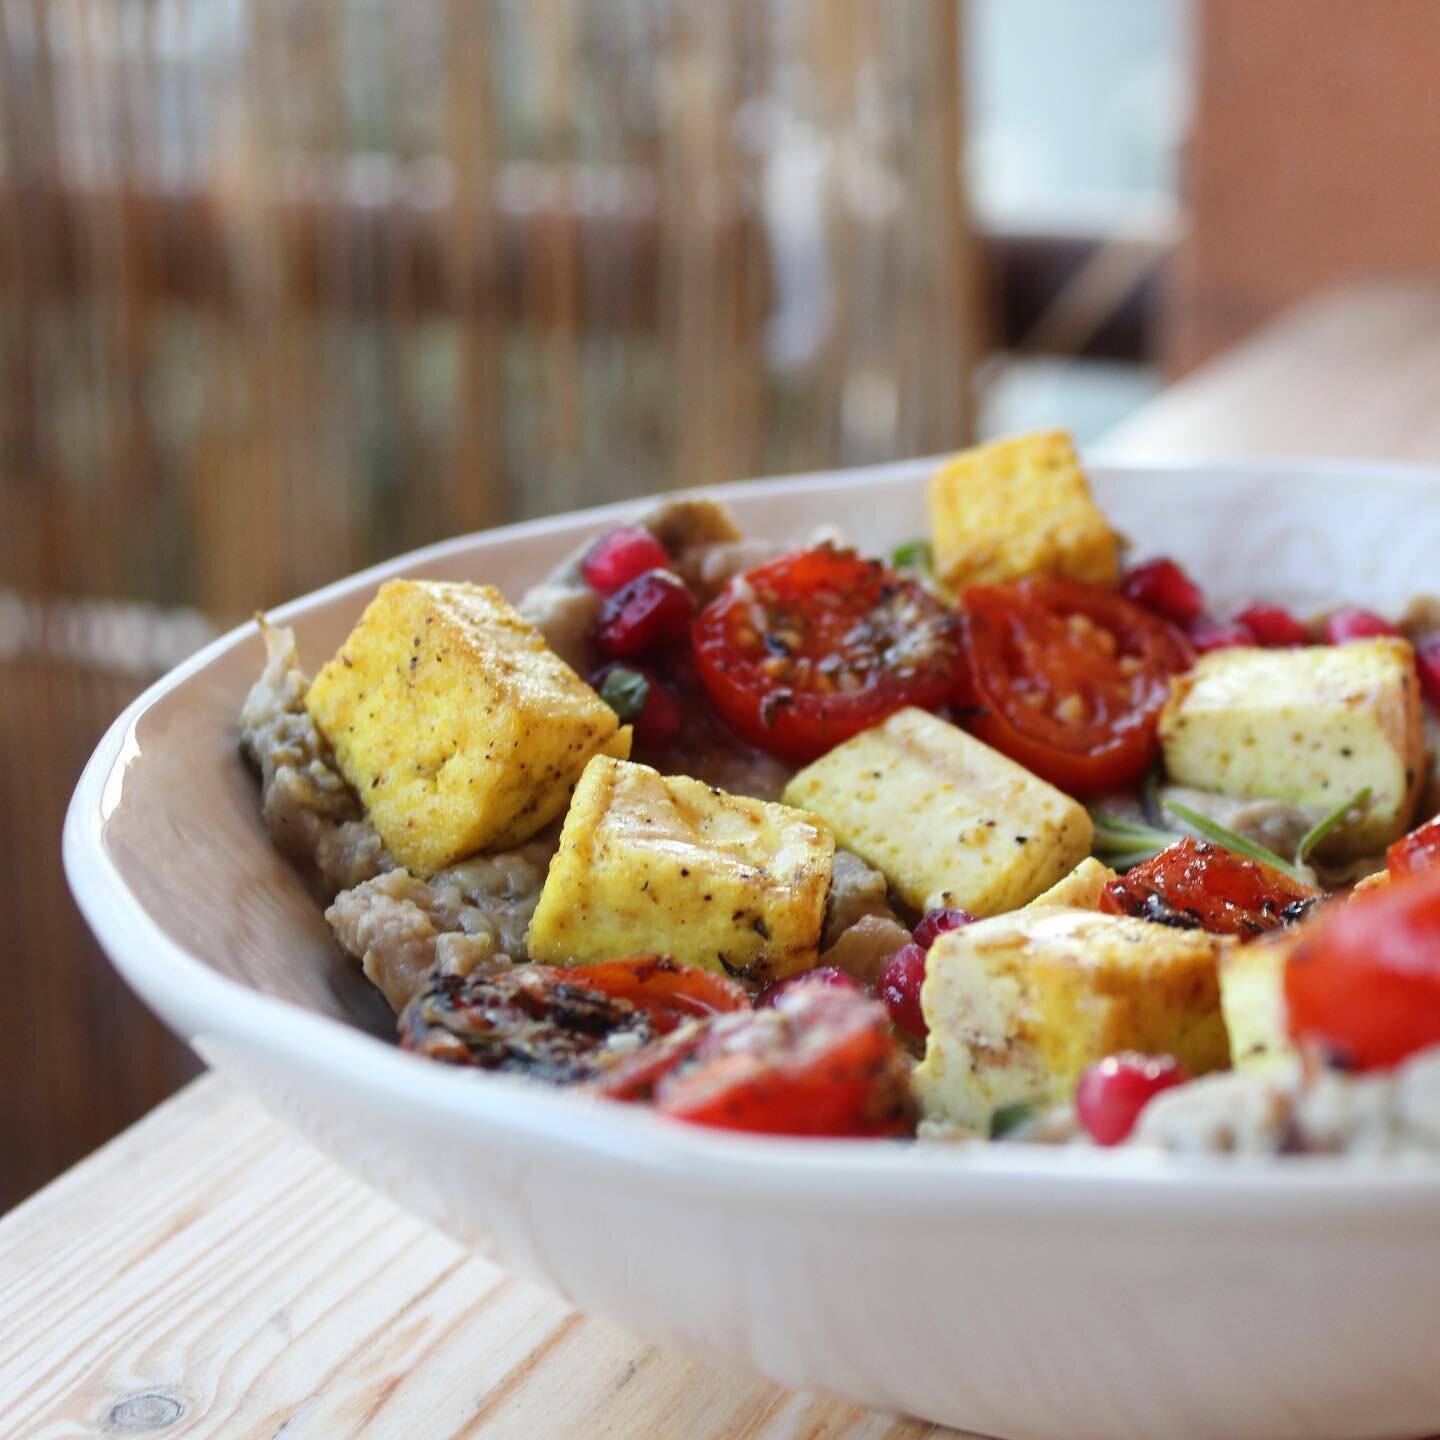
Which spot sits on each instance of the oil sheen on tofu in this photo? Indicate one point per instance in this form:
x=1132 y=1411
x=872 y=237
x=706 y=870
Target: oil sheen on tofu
x=1020 y=1004
x=1018 y=507
x=1311 y=726
x=458 y=726
x=651 y=862
x=946 y=819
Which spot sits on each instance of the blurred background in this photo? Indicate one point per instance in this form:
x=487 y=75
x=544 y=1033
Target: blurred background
x=290 y=285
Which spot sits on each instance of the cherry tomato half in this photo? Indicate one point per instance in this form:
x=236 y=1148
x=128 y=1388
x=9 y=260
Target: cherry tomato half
x=1068 y=679
x=1419 y=850
x=1365 y=979
x=821 y=1061
x=820 y=644
x=1196 y=885
x=665 y=990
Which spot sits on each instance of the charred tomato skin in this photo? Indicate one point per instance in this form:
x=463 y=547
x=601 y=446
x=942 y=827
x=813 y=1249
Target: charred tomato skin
x=820 y=644
x=1068 y=679
x=533 y=1020
x=1195 y=885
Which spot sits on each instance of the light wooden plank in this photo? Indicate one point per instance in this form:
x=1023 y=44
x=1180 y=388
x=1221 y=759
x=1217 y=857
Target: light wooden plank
x=1353 y=374
x=207 y=1274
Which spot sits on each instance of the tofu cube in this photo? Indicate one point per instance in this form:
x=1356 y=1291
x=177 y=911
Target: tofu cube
x=1018 y=507
x=1311 y=726
x=1019 y=1005
x=456 y=723
x=1081 y=888
x=945 y=818
x=664 y=863
x=1252 y=995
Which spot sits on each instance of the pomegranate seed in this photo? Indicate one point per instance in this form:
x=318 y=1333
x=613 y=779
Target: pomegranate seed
x=1273 y=626
x=654 y=609
x=637 y=697
x=934 y=923
x=1207 y=634
x=830 y=976
x=1162 y=586
x=1353 y=624
x=899 y=987
x=1113 y=1091
x=619 y=555
x=1427 y=661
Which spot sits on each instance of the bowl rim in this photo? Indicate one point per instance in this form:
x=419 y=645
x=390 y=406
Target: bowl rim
x=204 y=1005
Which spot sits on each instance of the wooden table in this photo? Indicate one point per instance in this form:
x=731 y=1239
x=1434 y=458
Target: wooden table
x=207 y=1275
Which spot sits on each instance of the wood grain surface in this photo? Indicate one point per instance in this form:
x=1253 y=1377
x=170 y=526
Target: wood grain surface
x=1352 y=374
x=207 y=1275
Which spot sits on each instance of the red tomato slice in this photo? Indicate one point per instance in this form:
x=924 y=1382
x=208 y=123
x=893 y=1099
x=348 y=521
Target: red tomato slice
x=1365 y=980
x=820 y=644
x=1068 y=679
x=1419 y=850
x=1197 y=885
x=822 y=1061
x=667 y=991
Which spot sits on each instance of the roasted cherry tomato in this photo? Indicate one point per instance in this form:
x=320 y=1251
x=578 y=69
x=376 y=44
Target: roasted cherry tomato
x=820 y=644
x=1364 y=980
x=1195 y=885
x=820 y=1062
x=1419 y=850
x=1068 y=679
x=665 y=990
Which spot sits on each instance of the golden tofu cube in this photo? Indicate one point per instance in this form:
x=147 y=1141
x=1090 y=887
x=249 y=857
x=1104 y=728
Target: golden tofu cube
x=945 y=818
x=1019 y=1005
x=1081 y=888
x=459 y=727
x=1312 y=726
x=1252 y=995
x=1018 y=507
x=664 y=863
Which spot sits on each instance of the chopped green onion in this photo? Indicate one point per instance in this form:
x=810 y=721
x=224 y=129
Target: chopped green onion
x=1009 y=1118
x=1321 y=828
x=1223 y=836
x=914 y=555
x=625 y=692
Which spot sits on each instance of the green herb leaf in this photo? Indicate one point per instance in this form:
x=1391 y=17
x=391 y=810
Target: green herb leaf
x=914 y=555
x=625 y=692
x=1009 y=1118
x=1123 y=842
x=1222 y=835
x=1321 y=828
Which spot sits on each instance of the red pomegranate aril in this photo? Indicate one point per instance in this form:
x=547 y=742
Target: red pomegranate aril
x=828 y=975
x=1112 y=1092
x=1162 y=586
x=1207 y=634
x=934 y=923
x=899 y=986
x=1273 y=626
x=620 y=555
x=1353 y=624
x=1427 y=662
x=652 y=611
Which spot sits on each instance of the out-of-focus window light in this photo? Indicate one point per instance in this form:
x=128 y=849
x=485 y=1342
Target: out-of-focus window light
x=1077 y=114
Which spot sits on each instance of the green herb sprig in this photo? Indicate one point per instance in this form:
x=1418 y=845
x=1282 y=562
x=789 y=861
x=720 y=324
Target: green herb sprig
x=1123 y=842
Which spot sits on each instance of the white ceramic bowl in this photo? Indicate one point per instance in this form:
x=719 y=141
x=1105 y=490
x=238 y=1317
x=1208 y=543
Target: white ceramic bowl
x=1014 y=1291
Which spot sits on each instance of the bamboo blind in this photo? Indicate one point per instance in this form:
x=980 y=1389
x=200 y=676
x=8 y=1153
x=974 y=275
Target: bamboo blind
x=286 y=285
